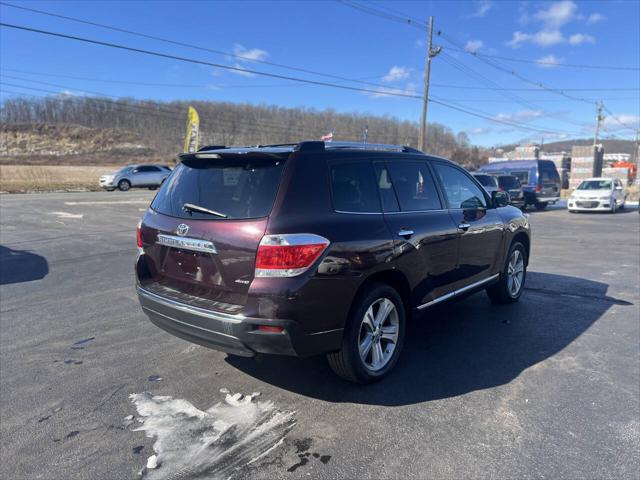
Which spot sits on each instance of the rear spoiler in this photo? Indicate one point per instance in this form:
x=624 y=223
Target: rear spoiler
x=231 y=155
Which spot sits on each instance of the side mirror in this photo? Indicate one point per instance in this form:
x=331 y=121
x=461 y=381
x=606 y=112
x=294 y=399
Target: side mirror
x=500 y=199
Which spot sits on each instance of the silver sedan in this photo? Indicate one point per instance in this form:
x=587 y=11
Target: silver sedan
x=146 y=176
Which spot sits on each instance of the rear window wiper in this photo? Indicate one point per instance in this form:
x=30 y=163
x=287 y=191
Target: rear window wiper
x=190 y=207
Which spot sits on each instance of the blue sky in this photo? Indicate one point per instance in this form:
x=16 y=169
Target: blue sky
x=333 y=38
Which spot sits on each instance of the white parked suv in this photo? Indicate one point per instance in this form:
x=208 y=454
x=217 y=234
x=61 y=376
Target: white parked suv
x=598 y=194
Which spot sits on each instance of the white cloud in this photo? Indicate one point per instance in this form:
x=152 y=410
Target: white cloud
x=397 y=73
x=473 y=45
x=478 y=131
x=612 y=124
x=557 y=15
x=595 y=18
x=483 y=7
x=522 y=115
x=552 y=19
x=543 y=38
x=580 y=38
x=385 y=92
x=241 y=71
x=249 y=55
x=549 y=61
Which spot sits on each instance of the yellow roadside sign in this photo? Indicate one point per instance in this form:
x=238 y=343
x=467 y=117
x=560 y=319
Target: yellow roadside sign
x=193 y=124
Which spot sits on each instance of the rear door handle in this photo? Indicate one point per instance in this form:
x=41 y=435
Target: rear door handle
x=405 y=233
x=464 y=226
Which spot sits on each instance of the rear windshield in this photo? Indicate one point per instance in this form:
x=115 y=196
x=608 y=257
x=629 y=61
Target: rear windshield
x=549 y=174
x=238 y=189
x=523 y=176
x=595 y=185
x=507 y=181
x=486 y=180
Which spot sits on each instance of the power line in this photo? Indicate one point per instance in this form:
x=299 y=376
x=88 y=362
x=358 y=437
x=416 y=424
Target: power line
x=551 y=64
x=186 y=85
x=422 y=26
x=188 y=45
x=405 y=19
x=145 y=84
x=389 y=92
x=497 y=66
x=515 y=98
x=617 y=119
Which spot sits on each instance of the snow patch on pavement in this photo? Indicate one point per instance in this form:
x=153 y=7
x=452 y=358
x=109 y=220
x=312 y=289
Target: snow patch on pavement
x=212 y=443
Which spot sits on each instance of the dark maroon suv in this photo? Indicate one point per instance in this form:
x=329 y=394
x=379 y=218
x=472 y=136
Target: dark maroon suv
x=321 y=248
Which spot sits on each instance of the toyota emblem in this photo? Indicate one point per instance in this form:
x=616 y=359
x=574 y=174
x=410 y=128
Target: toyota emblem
x=182 y=229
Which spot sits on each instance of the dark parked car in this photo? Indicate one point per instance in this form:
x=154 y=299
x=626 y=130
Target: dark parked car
x=539 y=178
x=321 y=249
x=511 y=185
x=489 y=182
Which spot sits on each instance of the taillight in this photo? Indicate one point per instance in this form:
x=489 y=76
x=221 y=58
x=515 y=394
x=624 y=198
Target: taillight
x=501 y=189
x=139 y=236
x=538 y=188
x=288 y=255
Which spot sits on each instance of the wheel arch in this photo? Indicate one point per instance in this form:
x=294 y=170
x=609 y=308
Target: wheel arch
x=392 y=277
x=524 y=239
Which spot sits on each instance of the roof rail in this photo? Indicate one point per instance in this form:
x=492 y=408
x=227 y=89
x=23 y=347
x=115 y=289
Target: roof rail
x=319 y=146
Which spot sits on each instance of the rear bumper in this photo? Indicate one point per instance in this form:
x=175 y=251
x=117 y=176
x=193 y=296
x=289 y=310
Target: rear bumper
x=235 y=334
x=531 y=198
x=589 y=206
x=541 y=199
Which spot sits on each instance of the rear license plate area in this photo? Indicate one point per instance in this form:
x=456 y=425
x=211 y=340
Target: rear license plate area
x=189 y=265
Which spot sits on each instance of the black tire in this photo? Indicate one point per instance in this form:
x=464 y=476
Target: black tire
x=124 y=185
x=153 y=188
x=347 y=362
x=541 y=205
x=500 y=293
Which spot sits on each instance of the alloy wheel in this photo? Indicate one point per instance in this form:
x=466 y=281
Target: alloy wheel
x=378 y=336
x=515 y=273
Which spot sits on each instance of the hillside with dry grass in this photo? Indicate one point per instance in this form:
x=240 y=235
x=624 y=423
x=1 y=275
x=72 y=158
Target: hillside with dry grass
x=64 y=144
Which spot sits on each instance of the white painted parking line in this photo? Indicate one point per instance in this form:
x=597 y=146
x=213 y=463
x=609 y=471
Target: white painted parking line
x=109 y=202
x=67 y=214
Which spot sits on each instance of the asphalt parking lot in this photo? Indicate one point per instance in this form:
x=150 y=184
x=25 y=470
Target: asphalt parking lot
x=548 y=387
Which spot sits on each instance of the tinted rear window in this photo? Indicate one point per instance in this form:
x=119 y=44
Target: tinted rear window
x=239 y=189
x=549 y=174
x=486 y=180
x=523 y=176
x=508 y=181
x=414 y=186
x=353 y=187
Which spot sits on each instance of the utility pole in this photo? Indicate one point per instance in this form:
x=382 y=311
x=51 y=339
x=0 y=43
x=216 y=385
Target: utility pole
x=636 y=156
x=431 y=52
x=599 y=120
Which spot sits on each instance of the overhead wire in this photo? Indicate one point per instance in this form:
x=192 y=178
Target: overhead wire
x=389 y=92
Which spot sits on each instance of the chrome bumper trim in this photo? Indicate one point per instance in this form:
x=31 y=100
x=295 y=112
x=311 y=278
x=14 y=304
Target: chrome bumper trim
x=223 y=317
